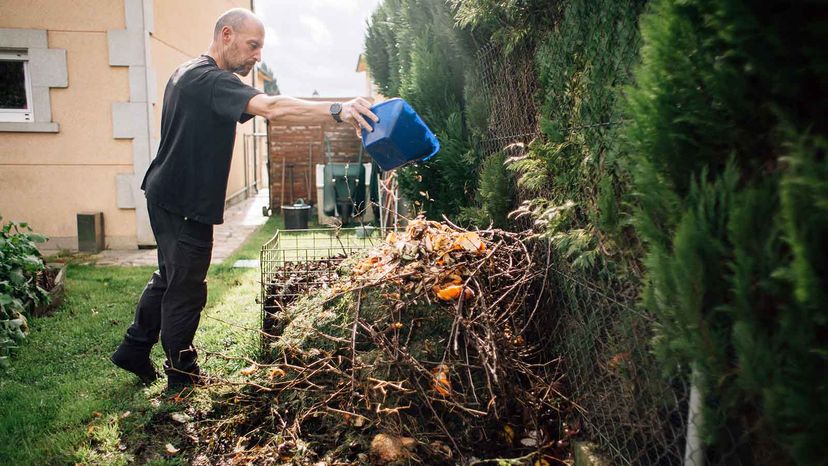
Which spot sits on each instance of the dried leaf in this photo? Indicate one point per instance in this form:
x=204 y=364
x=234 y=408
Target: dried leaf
x=276 y=372
x=469 y=241
x=442 y=449
x=181 y=418
x=250 y=370
x=387 y=448
x=508 y=434
x=170 y=449
x=441 y=382
x=528 y=442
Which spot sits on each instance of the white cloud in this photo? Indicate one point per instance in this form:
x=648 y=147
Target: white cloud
x=272 y=38
x=314 y=44
x=318 y=30
x=351 y=6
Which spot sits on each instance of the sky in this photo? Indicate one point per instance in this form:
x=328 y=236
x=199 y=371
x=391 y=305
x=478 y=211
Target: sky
x=315 y=44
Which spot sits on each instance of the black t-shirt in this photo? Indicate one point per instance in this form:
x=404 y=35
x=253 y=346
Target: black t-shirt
x=202 y=104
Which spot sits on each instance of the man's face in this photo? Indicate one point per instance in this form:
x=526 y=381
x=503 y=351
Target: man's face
x=244 y=47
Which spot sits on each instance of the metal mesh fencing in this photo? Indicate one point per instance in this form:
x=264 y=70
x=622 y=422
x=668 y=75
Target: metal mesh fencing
x=296 y=261
x=510 y=85
x=636 y=415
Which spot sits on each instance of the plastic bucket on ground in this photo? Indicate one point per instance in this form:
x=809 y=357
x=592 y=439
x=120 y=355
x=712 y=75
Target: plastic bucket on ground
x=296 y=216
x=400 y=136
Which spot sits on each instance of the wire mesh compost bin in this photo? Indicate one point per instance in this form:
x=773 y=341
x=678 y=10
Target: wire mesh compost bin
x=295 y=262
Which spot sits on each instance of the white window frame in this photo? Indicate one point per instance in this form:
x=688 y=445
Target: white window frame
x=19 y=115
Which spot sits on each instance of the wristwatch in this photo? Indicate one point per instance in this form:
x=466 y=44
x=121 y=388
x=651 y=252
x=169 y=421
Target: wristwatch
x=336 y=109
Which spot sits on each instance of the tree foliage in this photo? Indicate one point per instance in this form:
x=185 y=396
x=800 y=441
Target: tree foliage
x=685 y=138
x=271 y=86
x=415 y=52
x=727 y=148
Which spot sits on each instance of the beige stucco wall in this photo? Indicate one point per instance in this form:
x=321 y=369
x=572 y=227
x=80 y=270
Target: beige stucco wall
x=47 y=178
x=77 y=15
x=171 y=45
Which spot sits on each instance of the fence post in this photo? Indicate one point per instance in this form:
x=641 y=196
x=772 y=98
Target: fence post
x=694 y=448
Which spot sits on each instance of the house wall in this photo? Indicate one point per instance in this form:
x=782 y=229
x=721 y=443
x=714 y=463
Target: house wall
x=118 y=57
x=47 y=178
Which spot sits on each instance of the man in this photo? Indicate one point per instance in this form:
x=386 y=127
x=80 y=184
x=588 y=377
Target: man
x=186 y=185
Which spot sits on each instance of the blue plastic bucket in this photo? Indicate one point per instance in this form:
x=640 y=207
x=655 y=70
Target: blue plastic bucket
x=400 y=136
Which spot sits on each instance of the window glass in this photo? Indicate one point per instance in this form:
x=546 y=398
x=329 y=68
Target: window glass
x=12 y=84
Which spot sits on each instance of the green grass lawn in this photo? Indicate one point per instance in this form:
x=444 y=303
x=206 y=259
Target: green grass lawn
x=63 y=402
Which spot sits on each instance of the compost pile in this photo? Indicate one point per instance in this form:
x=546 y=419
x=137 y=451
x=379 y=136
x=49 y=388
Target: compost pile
x=294 y=280
x=431 y=349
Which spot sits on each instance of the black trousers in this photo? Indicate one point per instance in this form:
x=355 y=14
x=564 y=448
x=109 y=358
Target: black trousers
x=171 y=303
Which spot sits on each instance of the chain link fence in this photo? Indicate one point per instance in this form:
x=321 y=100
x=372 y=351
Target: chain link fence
x=624 y=404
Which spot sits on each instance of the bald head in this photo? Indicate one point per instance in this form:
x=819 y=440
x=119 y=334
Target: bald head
x=236 y=19
x=237 y=41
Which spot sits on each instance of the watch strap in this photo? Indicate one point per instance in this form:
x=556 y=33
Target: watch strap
x=336 y=110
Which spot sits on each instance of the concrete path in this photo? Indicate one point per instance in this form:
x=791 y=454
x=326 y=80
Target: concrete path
x=240 y=221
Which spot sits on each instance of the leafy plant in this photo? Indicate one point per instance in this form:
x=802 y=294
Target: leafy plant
x=20 y=263
x=574 y=179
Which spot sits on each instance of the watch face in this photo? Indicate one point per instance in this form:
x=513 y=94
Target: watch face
x=336 y=108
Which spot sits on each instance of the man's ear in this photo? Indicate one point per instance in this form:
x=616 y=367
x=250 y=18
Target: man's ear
x=226 y=34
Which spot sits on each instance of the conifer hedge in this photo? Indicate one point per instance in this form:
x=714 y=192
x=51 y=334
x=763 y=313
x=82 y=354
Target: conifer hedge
x=727 y=150
x=681 y=149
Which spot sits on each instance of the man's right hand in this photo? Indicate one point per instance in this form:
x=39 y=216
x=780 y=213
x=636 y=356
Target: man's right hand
x=356 y=112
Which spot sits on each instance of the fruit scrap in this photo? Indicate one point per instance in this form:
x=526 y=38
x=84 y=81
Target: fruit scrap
x=441 y=382
x=452 y=292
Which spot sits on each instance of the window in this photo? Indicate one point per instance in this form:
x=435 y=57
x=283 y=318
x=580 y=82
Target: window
x=15 y=87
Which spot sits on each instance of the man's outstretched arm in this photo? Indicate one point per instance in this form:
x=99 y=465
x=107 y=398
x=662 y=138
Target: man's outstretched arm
x=355 y=112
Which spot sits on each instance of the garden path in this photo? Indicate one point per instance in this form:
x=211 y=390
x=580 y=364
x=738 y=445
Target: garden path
x=240 y=220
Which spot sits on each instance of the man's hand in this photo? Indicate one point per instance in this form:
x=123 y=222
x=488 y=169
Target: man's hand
x=355 y=112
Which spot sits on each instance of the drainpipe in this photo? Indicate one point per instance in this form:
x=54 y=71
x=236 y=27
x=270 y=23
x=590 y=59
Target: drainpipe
x=255 y=139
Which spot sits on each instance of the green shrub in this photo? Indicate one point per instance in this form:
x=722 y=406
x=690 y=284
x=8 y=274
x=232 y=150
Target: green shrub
x=728 y=149
x=574 y=179
x=20 y=263
x=496 y=190
x=415 y=52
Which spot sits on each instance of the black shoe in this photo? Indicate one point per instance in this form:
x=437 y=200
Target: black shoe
x=135 y=361
x=177 y=380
